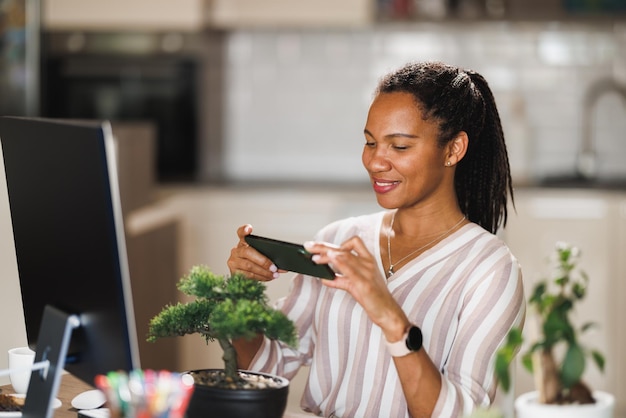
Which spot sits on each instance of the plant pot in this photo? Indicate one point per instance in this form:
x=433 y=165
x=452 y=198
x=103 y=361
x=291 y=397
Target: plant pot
x=208 y=401
x=527 y=406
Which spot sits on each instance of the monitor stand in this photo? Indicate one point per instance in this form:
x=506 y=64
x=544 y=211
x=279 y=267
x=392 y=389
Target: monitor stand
x=52 y=345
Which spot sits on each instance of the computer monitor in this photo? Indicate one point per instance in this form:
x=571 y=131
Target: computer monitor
x=69 y=238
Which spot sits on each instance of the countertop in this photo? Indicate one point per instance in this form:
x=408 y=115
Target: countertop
x=69 y=388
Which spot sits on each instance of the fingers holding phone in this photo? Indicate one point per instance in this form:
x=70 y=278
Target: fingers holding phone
x=245 y=259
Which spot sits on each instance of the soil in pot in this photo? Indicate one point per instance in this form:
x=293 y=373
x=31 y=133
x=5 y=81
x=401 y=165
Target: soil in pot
x=258 y=395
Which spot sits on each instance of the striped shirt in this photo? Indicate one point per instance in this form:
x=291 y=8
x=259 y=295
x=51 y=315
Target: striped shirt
x=465 y=293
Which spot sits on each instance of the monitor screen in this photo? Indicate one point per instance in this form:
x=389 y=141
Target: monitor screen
x=69 y=237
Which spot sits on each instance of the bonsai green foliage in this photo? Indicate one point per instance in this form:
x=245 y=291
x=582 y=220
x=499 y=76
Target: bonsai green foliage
x=224 y=308
x=553 y=302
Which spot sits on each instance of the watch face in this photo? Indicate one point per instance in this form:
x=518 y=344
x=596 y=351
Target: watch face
x=414 y=339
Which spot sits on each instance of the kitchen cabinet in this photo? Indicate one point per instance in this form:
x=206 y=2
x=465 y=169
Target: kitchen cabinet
x=152 y=248
x=594 y=221
x=292 y=13
x=136 y=148
x=180 y=15
x=192 y=15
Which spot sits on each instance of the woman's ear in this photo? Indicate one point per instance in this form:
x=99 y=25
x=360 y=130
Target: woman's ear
x=456 y=149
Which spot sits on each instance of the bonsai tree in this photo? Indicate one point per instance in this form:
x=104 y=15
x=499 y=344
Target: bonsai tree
x=551 y=303
x=223 y=309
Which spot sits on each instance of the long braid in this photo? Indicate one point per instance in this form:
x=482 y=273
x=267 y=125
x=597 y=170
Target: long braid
x=488 y=201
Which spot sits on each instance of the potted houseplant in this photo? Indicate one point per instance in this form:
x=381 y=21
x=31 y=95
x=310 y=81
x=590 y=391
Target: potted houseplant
x=556 y=357
x=224 y=308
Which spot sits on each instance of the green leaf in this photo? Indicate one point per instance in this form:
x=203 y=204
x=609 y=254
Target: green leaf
x=505 y=356
x=587 y=326
x=563 y=306
x=556 y=327
x=579 y=290
x=502 y=370
x=527 y=361
x=598 y=358
x=561 y=281
x=514 y=338
x=538 y=293
x=564 y=254
x=573 y=366
x=548 y=303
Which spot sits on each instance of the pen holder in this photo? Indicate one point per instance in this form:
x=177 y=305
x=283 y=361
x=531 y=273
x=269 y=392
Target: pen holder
x=146 y=393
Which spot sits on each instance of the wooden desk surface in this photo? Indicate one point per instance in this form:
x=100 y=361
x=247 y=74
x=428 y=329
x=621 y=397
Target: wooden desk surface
x=70 y=386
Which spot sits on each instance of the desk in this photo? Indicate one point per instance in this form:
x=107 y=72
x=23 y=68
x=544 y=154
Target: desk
x=70 y=386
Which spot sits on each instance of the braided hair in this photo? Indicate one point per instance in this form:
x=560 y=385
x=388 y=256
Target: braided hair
x=461 y=100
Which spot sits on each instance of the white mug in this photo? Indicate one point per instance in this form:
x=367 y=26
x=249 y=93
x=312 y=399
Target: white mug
x=21 y=360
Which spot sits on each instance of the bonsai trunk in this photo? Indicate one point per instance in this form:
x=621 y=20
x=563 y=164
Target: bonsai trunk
x=230 y=360
x=548 y=379
x=549 y=383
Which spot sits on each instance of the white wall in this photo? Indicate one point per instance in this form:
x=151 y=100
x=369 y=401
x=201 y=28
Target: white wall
x=13 y=329
x=296 y=100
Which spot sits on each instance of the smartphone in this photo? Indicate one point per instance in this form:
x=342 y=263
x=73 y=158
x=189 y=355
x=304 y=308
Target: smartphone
x=289 y=256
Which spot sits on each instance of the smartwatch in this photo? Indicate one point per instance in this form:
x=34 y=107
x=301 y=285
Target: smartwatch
x=410 y=342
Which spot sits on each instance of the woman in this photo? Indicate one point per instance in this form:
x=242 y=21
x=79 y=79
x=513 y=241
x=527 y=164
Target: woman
x=425 y=292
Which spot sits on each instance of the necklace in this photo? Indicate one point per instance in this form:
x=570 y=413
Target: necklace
x=391 y=265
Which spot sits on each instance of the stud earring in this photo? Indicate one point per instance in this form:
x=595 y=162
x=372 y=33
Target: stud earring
x=448 y=163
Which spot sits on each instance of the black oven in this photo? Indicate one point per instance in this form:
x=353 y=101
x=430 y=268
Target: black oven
x=153 y=77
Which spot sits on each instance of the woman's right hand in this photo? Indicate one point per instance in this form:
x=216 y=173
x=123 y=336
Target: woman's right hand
x=245 y=259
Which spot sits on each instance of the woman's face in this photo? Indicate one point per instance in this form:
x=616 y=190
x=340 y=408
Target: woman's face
x=401 y=155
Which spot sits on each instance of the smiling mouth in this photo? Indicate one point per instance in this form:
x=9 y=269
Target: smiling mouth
x=384 y=186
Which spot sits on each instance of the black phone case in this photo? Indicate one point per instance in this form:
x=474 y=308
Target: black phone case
x=289 y=256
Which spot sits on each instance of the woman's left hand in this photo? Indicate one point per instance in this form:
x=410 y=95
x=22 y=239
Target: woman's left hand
x=358 y=274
